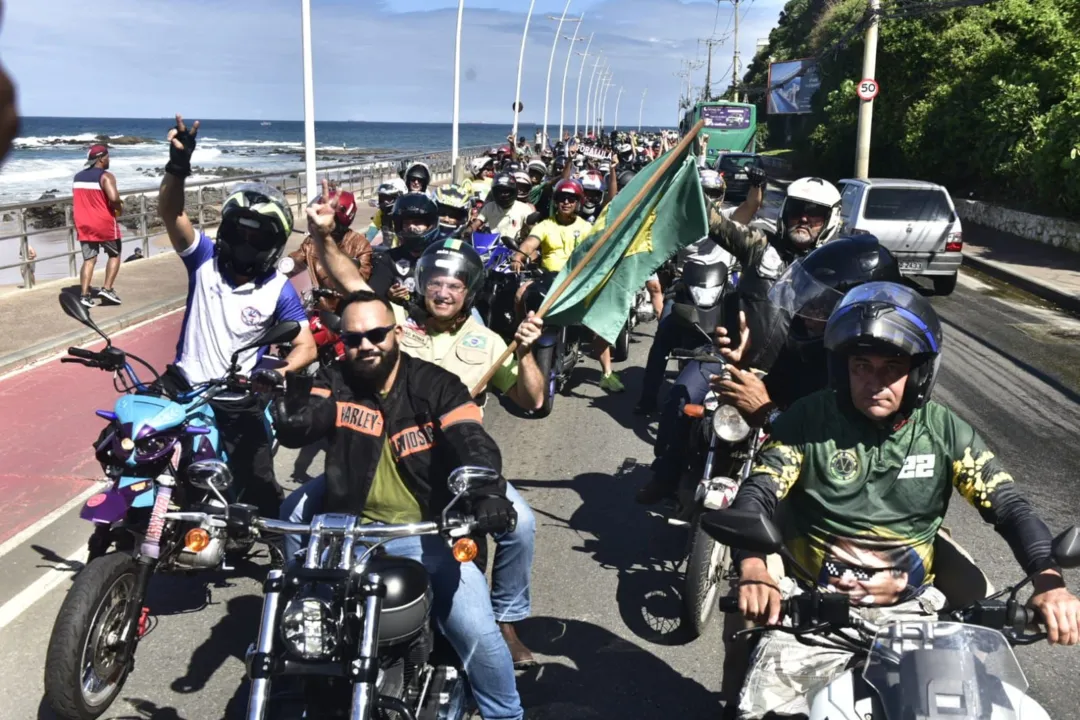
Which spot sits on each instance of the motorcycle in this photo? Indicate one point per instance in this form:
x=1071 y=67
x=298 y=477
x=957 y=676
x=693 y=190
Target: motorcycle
x=495 y=301
x=161 y=451
x=958 y=665
x=558 y=350
x=352 y=625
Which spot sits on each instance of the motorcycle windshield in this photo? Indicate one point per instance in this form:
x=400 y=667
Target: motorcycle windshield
x=930 y=669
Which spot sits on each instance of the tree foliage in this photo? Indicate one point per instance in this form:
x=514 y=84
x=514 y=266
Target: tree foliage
x=982 y=99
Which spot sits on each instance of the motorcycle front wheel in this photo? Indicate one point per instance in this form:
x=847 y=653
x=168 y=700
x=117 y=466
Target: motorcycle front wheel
x=545 y=360
x=83 y=674
x=706 y=565
x=620 y=351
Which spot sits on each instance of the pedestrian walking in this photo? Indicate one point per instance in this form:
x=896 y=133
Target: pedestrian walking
x=96 y=204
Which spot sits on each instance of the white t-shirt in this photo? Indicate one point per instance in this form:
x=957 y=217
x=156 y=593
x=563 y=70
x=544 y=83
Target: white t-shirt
x=221 y=318
x=506 y=222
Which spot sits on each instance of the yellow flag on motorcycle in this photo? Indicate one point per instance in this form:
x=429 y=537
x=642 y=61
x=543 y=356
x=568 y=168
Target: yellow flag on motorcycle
x=670 y=217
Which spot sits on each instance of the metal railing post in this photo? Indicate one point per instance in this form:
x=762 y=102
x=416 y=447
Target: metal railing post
x=24 y=253
x=143 y=226
x=199 y=202
x=69 y=222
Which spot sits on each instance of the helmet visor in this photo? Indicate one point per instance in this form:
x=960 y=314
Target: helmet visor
x=801 y=295
x=884 y=315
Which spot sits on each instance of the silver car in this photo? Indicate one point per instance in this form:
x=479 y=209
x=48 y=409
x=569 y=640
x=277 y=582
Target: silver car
x=915 y=220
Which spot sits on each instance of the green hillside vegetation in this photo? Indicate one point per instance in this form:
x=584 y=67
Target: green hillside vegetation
x=983 y=99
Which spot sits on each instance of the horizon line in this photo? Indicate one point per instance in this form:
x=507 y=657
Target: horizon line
x=201 y=120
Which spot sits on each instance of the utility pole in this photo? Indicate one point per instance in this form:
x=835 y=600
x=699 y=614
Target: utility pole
x=866 y=107
x=735 y=59
x=706 y=92
x=641 y=110
x=618 y=98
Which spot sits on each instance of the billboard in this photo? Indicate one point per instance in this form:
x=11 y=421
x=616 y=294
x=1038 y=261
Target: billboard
x=792 y=85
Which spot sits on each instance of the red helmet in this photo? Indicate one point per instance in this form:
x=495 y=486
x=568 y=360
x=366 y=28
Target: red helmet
x=569 y=186
x=346 y=209
x=505 y=151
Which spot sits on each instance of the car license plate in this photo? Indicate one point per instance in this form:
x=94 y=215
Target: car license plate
x=910 y=266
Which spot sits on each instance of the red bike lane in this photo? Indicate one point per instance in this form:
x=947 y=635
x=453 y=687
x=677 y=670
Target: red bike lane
x=48 y=425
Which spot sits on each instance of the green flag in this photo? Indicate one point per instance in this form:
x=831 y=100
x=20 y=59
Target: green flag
x=670 y=217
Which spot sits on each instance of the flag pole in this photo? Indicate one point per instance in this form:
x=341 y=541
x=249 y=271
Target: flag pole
x=630 y=207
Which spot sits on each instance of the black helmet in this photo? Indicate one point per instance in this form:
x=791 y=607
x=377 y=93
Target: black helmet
x=891 y=318
x=455 y=258
x=256 y=222
x=420 y=207
x=504 y=188
x=811 y=287
x=558 y=164
x=418 y=171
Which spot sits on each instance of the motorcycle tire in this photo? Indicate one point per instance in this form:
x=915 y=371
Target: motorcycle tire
x=706 y=565
x=85 y=618
x=620 y=351
x=545 y=359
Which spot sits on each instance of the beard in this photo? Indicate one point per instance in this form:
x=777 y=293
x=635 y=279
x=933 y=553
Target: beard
x=371 y=376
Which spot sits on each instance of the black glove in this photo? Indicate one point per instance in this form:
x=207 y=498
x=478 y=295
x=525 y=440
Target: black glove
x=180 y=160
x=757 y=176
x=494 y=515
x=286 y=418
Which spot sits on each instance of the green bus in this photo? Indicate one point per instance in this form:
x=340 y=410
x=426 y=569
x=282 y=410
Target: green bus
x=731 y=126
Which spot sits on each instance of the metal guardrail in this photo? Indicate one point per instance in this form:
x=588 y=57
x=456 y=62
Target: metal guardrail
x=203 y=201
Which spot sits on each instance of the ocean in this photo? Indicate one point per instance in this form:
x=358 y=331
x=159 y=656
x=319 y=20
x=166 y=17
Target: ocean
x=49 y=151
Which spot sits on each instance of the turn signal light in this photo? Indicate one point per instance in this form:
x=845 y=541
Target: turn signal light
x=465 y=550
x=694 y=411
x=196 y=540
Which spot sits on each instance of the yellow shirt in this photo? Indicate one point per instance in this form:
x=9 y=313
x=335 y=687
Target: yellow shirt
x=557 y=242
x=389 y=500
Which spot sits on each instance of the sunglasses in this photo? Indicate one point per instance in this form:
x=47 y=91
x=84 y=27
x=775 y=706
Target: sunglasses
x=836 y=568
x=375 y=336
x=805 y=209
x=563 y=199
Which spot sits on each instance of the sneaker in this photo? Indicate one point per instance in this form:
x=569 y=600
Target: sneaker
x=87 y=301
x=109 y=295
x=612 y=383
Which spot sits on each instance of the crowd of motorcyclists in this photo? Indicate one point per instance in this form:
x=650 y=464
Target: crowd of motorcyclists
x=826 y=352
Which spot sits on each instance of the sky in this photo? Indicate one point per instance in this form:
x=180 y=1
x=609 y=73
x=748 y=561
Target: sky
x=374 y=60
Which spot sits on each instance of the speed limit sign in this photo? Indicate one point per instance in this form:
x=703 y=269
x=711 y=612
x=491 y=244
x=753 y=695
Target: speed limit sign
x=868 y=89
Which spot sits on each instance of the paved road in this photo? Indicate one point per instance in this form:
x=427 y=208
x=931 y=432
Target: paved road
x=605 y=585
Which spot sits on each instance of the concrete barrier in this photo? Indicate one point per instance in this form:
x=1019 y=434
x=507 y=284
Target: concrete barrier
x=1048 y=230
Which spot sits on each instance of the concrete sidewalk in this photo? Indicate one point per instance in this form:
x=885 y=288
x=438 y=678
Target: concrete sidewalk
x=1045 y=271
x=35 y=327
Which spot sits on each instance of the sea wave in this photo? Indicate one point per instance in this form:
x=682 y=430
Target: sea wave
x=83 y=139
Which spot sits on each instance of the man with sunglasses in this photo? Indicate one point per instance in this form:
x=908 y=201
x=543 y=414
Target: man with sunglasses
x=235 y=294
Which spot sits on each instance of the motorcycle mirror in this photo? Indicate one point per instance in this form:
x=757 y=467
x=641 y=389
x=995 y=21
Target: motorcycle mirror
x=210 y=475
x=471 y=478
x=510 y=242
x=743 y=529
x=1066 y=548
x=73 y=308
x=280 y=333
x=330 y=321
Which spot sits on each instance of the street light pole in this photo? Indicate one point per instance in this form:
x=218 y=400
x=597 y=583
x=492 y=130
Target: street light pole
x=521 y=62
x=457 y=88
x=603 y=106
x=590 y=120
x=588 y=94
x=551 y=63
x=617 y=100
x=566 y=70
x=309 y=103
x=641 y=110
x=581 y=72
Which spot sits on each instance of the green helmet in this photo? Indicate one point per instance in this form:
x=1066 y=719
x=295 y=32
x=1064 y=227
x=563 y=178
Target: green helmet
x=256 y=222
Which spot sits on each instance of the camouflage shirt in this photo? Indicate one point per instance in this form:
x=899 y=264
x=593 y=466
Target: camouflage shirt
x=865 y=502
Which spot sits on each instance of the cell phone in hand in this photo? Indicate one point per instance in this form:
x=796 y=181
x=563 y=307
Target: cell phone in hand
x=732 y=308
x=297 y=390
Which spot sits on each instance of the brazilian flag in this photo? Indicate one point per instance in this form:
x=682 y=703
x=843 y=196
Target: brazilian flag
x=671 y=216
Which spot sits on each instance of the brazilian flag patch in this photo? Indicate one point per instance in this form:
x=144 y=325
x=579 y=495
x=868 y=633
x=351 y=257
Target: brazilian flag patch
x=475 y=342
x=452 y=244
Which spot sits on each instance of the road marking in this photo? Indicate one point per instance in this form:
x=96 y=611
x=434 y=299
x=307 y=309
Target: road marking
x=38 y=589
x=57 y=355
x=26 y=533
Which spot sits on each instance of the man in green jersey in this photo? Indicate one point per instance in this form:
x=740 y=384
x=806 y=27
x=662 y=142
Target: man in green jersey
x=866 y=470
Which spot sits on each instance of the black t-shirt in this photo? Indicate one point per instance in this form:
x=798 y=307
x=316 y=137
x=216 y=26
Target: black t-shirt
x=393 y=266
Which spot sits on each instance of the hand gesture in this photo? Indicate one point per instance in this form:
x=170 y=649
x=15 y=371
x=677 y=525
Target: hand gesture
x=399 y=293
x=733 y=355
x=759 y=595
x=320 y=213
x=181 y=146
x=757 y=176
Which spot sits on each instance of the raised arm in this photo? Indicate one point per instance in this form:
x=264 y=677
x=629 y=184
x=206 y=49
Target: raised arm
x=340 y=266
x=171 y=194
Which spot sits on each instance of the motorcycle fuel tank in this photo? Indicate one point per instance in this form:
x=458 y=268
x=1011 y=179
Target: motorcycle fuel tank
x=407 y=604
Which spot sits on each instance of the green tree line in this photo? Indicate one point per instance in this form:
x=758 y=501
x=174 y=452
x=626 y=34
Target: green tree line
x=983 y=99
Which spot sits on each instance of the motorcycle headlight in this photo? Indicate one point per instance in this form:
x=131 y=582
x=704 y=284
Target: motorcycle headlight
x=153 y=447
x=728 y=424
x=309 y=628
x=705 y=297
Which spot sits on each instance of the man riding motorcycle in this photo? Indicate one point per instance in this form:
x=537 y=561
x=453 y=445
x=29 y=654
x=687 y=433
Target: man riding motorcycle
x=483 y=172
x=443 y=332
x=383 y=221
x=455 y=205
x=416 y=222
x=504 y=213
x=387 y=465
x=417 y=178
x=235 y=295
x=352 y=244
x=865 y=469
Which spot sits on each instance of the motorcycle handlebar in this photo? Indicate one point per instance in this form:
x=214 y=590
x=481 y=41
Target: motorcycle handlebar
x=372 y=532
x=84 y=354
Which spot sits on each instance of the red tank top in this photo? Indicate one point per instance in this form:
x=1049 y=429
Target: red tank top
x=94 y=220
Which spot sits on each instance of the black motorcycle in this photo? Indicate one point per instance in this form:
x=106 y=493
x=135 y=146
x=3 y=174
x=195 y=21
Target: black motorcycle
x=348 y=633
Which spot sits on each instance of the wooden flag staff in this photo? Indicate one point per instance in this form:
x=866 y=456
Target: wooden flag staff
x=554 y=295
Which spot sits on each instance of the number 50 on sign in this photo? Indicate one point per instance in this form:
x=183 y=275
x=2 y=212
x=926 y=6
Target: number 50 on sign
x=867 y=89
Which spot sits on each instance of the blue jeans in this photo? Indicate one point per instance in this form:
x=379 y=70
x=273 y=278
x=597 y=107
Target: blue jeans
x=673 y=431
x=465 y=610
x=670 y=334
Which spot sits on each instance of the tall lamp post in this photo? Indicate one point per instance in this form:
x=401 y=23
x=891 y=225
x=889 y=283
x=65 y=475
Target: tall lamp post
x=589 y=94
x=618 y=99
x=641 y=110
x=551 y=63
x=566 y=70
x=309 y=103
x=581 y=72
x=521 y=62
x=457 y=87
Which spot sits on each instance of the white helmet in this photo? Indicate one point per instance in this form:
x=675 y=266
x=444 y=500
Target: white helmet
x=815 y=191
x=538 y=165
x=393 y=187
x=477 y=165
x=712 y=180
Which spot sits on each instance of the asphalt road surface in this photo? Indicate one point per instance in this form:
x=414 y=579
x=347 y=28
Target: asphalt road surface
x=605 y=616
